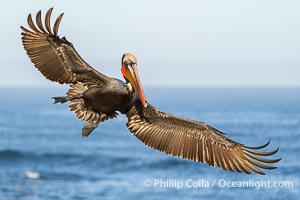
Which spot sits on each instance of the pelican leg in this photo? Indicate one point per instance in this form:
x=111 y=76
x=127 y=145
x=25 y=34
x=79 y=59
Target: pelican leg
x=89 y=127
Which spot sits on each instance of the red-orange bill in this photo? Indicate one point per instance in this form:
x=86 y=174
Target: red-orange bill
x=132 y=75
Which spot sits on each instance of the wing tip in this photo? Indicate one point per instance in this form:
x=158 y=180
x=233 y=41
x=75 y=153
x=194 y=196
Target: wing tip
x=38 y=28
x=258 y=147
x=254 y=157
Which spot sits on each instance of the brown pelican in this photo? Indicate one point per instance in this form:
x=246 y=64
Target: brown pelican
x=95 y=97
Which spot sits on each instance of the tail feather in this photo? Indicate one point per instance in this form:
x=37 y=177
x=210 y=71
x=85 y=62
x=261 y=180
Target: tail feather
x=60 y=99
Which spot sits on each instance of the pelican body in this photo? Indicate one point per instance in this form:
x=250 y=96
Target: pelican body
x=109 y=98
x=103 y=100
x=95 y=97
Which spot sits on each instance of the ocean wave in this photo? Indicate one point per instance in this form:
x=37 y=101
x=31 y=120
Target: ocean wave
x=93 y=160
x=62 y=175
x=10 y=154
x=166 y=163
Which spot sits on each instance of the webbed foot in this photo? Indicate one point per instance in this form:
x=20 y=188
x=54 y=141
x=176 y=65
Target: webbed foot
x=89 y=127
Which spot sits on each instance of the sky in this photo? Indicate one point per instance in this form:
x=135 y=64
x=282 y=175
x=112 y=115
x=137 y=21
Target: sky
x=191 y=43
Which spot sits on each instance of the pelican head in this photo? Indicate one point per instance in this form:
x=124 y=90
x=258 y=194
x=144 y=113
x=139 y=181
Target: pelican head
x=130 y=73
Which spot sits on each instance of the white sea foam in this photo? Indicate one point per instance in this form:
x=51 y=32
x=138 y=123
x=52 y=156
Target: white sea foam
x=32 y=175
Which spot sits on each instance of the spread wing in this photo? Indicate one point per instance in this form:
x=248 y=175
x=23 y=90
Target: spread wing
x=194 y=140
x=55 y=57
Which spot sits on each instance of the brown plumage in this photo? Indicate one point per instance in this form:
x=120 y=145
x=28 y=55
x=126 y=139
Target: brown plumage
x=95 y=97
x=58 y=61
x=55 y=57
x=193 y=140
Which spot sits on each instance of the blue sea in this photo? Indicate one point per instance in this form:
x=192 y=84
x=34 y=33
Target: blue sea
x=43 y=156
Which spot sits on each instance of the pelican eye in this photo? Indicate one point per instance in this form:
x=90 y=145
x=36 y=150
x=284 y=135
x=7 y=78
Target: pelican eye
x=128 y=62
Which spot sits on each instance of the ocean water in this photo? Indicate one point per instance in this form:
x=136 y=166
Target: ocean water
x=43 y=156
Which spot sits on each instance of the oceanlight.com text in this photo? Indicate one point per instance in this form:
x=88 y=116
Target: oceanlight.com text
x=220 y=183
